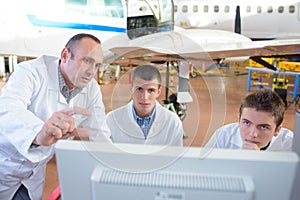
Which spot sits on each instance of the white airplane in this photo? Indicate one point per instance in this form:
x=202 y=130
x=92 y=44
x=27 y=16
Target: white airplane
x=256 y=19
x=36 y=27
x=143 y=35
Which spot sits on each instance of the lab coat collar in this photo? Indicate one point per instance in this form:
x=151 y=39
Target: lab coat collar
x=237 y=141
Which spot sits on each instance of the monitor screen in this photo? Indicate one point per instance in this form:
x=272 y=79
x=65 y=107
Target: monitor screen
x=90 y=170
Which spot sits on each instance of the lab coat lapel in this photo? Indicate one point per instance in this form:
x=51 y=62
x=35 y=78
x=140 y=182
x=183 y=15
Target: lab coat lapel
x=53 y=85
x=159 y=121
x=130 y=126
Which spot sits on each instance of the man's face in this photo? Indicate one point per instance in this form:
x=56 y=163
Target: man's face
x=144 y=94
x=82 y=68
x=257 y=127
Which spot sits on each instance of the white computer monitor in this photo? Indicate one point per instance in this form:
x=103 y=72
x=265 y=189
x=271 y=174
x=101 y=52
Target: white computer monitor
x=296 y=149
x=89 y=170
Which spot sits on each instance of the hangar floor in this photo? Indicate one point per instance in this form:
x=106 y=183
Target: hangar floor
x=216 y=101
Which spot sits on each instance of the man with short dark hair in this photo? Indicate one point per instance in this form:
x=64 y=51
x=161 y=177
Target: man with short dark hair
x=143 y=120
x=259 y=128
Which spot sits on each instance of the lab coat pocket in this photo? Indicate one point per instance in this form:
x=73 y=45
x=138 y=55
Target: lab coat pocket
x=14 y=169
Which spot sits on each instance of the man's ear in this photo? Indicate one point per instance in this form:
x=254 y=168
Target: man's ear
x=131 y=90
x=277 y=130
x=64 y=54
x=159 y=90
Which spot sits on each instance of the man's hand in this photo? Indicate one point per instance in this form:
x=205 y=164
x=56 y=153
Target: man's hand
x=61 y=125
x=250 y=146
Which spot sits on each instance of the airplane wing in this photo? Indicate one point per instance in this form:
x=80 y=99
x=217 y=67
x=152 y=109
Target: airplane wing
x=199 y=45
x=194 y=46
x=273 y=48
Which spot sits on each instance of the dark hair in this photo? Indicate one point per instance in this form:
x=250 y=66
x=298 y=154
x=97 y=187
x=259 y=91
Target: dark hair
x=265 y=100
x=71 y=43
x=147 y=73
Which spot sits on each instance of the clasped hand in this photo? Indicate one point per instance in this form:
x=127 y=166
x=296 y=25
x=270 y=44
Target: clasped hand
x=250 y=146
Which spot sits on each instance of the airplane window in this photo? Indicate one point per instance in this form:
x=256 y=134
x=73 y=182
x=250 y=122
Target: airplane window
x=195 y=8
x=248 y=9
x=175 y=8
x=270 y=9
x=114 y=8
x=109 y=8
x=292 y=9
x=184 y=8
x=77 y=2
x=258 y=9
x=216 y=8
x=280 y=9
x=226 y=9
x=75 y=6
x=205 y=8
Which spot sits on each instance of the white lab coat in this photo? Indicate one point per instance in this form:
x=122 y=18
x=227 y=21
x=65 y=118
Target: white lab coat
x=28 y=99
x=166 y=128
x=229 y=137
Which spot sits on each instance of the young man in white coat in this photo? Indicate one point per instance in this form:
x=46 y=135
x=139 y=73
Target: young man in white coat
x=45 y=100
x=143 y=120
x=259 y=128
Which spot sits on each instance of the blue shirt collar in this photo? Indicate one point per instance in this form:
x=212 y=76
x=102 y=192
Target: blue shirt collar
x=146 y=122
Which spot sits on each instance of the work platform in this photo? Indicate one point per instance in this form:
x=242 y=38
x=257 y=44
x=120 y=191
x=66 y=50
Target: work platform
x=264 y=73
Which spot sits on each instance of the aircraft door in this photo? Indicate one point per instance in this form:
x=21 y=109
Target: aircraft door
x=149 y=16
